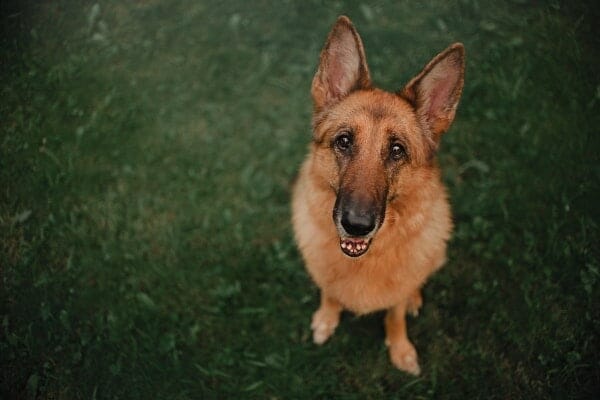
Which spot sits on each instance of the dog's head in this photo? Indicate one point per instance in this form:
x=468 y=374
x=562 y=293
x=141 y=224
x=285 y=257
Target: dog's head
x=374 y=142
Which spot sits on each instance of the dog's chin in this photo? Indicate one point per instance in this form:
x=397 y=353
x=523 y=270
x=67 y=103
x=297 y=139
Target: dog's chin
x=354 y=247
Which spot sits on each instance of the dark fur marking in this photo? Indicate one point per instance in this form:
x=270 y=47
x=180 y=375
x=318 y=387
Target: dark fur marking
x=377 y=111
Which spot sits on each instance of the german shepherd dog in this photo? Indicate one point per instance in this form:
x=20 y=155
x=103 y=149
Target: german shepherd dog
x=370 y=214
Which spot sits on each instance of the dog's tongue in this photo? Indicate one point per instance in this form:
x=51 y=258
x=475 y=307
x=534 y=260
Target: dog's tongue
x=354 y=247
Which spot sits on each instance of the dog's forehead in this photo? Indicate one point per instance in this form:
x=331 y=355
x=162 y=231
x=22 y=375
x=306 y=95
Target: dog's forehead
x=364 y=110
x=378 y=107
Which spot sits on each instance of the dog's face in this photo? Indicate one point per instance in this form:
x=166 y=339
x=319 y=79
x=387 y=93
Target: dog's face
x=373 y=141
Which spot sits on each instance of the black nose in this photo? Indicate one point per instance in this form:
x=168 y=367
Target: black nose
x=358 y=224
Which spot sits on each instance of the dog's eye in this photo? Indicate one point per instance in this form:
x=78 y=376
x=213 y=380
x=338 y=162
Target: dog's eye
x=343 y=142
x=397 y=152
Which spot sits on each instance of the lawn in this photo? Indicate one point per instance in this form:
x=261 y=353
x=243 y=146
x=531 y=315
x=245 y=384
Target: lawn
x=147 y=149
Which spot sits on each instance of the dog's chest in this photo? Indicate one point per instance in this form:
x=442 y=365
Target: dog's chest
x=366 y=285
x=364 y=293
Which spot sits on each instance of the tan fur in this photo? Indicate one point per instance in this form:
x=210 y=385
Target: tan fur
x=411 y=242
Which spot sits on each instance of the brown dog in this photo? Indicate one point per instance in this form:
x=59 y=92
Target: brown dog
x=371 y=166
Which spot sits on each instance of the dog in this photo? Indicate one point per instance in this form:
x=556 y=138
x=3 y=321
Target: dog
x=370 y=214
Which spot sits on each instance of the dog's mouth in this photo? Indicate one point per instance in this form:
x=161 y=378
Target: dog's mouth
x=357 y=220
x=354 y=247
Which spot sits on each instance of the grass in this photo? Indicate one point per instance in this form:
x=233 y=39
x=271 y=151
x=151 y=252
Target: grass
x=146 y=155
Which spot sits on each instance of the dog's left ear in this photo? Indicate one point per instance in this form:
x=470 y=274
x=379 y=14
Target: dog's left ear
x=342 y=67
x=435 y=91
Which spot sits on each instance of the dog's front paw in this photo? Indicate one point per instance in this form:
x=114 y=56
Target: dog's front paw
x=404 y=357
x=323 y=325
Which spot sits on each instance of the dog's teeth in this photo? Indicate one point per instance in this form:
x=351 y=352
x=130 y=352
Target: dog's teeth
x=354 y=248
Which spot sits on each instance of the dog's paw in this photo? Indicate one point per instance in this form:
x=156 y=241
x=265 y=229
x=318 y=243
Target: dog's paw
x=323 y=325
x=415 y=301
x=404 y=357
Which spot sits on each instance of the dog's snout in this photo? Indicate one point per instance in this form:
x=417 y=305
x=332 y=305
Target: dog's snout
x=358 y=223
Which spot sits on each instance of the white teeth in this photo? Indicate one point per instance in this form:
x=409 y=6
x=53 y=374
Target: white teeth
x=354 y=247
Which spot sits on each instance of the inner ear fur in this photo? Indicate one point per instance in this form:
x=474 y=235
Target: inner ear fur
x=436 y=90
x=342 y=66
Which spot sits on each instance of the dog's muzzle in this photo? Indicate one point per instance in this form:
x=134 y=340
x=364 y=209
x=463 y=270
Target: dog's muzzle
x=356 y=222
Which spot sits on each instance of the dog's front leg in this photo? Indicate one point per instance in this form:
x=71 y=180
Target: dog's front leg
x=325 y=319
x=402 y=352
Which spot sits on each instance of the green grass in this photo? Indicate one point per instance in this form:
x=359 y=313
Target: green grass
x=146 y=155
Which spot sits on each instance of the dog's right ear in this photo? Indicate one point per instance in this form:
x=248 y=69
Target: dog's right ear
x=342 y=67
x=435 y=91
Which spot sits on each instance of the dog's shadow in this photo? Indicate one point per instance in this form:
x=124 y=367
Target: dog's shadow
x=366 y=328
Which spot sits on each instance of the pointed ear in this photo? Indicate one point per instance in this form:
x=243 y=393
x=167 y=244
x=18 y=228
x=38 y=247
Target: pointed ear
x=342 y=67
x=435 y=92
